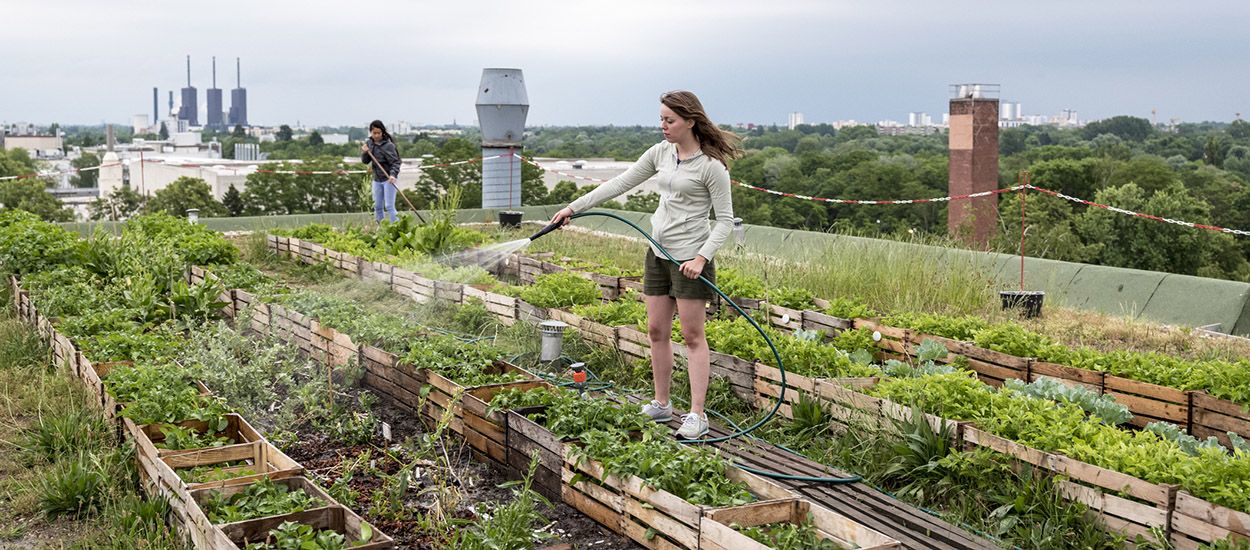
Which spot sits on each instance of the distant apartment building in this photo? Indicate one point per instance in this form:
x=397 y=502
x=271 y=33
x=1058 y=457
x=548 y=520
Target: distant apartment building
x=794 y=120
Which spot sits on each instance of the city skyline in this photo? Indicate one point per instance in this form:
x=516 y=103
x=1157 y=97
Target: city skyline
x=601 y=64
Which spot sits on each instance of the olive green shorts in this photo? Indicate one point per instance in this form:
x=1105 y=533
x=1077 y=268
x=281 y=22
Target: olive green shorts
x=664 y=278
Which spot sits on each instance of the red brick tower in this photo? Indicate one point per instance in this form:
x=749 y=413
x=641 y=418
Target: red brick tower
x=973 y=162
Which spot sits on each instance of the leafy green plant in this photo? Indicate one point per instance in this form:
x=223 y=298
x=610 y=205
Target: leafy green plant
x=467 y=364
x=216 y=472
x=790 y=536
x=194 y=243
x=29 y=244
x=1102 y=407
x=806 y=357
x=59 y=433
x=847 y=308
x=512 y=525
x=957 y=328
x=163 y=394
x=260 y=499
x=926 y=364
x=562 y=290
x=627 y=311
x=299 y=536
x=790 y=297
x=696 y=475
x=736 y=284
x=178 y=438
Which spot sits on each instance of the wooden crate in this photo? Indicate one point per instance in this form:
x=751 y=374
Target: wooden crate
x=93 y=375
x=717 y=526
x=335 y=518
x=502 y=307
x=386 y=376
x=653 y=518
x=249 y=447
x=201 y=527
x=767 y=387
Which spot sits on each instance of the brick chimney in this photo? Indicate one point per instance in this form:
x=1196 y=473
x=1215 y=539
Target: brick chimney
x=973 y=162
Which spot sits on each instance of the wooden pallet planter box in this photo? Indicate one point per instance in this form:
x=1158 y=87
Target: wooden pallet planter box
x=378 y=272
x=485 y=430
x=333 y=347
x=1096 y=487
x=529 y=269
x=448 y=291
x=1212 y=416
x=1150 y=402
x=530 y=313
x=385 y=375
x=567 y=317
x=203 y=529
x=631 y=283
x=994 y=367
x=1196 y=522
x=335 y=518
x=828 y=324
x=739 y=372
x=597 y=333
x=652 y=517
x=784 y=318
x=526 y=440
x=502 y=307
x=633 y=342
x=609 y=286
x=717 y=530
x=446 y=393
x=767 y=387
x=248 y=446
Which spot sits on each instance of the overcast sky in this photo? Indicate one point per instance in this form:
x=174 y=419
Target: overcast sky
x=600 y=62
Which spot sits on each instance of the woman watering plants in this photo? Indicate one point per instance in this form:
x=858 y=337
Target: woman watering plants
x=379 y=151
x=691 y=164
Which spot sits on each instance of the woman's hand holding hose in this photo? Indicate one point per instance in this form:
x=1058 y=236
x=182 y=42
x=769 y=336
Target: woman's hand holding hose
x=563 y=217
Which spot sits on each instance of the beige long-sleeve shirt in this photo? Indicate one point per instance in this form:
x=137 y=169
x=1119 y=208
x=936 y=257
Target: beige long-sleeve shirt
x=689 y=190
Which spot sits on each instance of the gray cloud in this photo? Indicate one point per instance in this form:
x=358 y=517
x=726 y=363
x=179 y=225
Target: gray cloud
x=599 y=62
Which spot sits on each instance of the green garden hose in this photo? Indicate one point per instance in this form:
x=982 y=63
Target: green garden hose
x=777 y=355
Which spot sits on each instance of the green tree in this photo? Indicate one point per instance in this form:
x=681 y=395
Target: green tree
x=1128 y=128
x=284 y=133
x=164 y=132
x=1239 y=129
x=269 y=193
x=1129 y=241
x=183 y=194
x=85 y=178
x=32 y=196
x=1048 y=230
x=16 y=162
x=121 y=204
x=315 y=138
x=233 y=201
x=238 y=132
x=1214 y=150
x=642 y=202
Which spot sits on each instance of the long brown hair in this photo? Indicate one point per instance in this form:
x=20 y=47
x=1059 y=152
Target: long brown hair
x=716 y=143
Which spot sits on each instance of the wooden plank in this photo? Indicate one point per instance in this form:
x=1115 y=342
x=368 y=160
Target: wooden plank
x=1156 y=410
x=997 y=358
x=1083 y=377
x=1218 y=516
x=1206 y=401
x=1221 y=422
x=1143 y=515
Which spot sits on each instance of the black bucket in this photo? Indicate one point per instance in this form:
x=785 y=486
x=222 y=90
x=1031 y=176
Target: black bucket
x=510 y=219
x=1028 y=301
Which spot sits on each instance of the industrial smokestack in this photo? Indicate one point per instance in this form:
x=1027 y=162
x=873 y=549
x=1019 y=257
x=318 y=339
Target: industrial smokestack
x=188 y=71
x=156 y=115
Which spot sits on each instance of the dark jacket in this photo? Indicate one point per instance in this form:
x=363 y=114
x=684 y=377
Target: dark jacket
x=387 y=156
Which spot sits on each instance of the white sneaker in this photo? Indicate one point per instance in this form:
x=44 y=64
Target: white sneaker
x=658 y=412
x=693 y=426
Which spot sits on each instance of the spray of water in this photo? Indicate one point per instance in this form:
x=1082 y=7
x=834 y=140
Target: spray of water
x=486 y=257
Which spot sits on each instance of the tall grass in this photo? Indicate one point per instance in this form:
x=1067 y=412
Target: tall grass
x=888 y=276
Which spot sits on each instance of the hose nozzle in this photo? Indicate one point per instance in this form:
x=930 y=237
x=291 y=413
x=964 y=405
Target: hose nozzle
x=550 y=227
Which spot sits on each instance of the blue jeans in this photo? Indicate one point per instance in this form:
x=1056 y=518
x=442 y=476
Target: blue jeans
x=383 y=190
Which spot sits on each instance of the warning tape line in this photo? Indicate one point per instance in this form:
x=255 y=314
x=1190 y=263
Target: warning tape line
x=951 y=198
